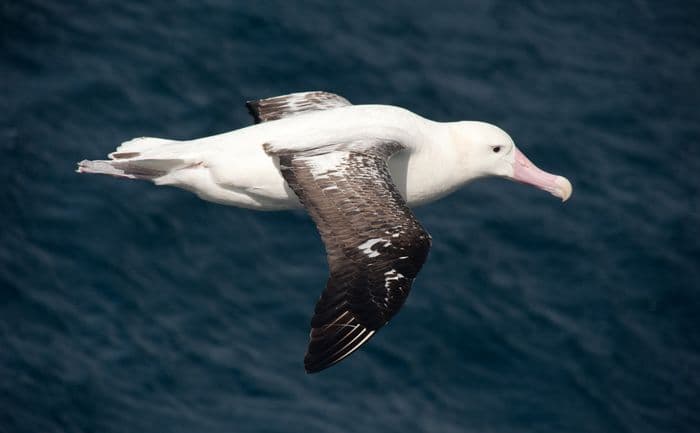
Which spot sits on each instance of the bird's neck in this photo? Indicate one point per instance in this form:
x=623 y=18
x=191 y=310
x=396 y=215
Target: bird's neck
x=430 y=171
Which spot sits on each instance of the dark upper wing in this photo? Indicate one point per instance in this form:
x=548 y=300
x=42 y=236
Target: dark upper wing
x=278 y=107
x=375 y=245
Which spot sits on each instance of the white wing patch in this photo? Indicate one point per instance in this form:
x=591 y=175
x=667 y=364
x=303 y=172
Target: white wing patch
x=366 y=246
x=333 y=163
x=392 y=275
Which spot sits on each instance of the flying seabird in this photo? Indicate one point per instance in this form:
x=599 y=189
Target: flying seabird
x=357 y=170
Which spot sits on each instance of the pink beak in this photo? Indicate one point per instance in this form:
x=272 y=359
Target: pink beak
x=526 y=172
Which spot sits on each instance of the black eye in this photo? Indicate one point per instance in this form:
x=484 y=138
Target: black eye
x=496 y=149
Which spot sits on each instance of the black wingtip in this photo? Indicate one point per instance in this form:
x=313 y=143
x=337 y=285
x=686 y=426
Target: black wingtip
x=254 y=111
x=311 y=370
x=327 y=349
x=313 y=366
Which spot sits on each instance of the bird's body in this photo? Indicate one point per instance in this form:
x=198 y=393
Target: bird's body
x=234 y=169
x=356 y=170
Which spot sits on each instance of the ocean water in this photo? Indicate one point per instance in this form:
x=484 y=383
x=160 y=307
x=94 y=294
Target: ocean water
x=126 y=307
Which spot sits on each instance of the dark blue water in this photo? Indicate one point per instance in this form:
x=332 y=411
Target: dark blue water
x=126 y=307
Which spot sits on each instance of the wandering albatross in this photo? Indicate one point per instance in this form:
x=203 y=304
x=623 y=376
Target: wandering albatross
x=357 y=170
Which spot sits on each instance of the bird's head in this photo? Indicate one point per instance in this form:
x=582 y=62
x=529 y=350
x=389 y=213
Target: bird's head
x=487 y=150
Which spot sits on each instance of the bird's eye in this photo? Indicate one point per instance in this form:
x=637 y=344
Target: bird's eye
x=496 y=149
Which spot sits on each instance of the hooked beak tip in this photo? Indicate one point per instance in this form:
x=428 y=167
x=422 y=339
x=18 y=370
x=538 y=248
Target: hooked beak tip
x=564 y=188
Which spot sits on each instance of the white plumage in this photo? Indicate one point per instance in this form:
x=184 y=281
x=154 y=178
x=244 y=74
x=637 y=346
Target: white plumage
x=234 y=169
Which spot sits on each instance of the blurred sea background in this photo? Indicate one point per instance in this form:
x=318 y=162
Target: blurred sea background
x=126 y=307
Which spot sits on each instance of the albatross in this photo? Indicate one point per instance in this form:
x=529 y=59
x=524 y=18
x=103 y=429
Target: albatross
x=357 y=170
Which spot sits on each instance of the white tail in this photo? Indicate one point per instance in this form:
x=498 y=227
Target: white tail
x=133 y=168
x=135 y=159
